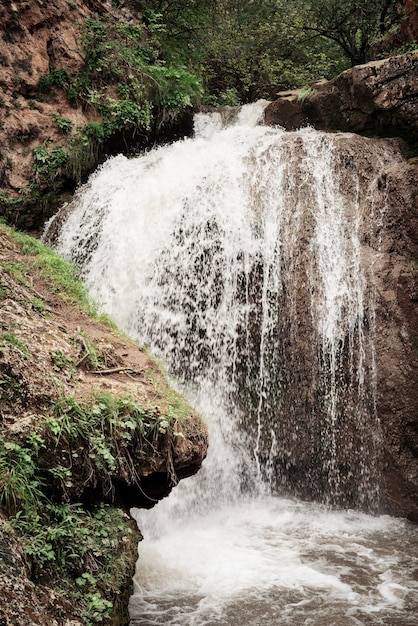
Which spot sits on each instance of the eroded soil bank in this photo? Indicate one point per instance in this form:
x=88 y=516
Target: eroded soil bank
x=89 y=428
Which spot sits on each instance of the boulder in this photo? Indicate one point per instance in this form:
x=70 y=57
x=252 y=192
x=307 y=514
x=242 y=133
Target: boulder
x=376 y=99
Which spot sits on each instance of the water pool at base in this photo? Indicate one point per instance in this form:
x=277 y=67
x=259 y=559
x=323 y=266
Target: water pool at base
x=276 y=561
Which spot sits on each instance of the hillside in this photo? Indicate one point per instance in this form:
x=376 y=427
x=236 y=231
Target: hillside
x=89 y=428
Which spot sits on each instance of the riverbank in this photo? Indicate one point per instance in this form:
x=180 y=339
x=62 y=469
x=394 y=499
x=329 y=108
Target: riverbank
x=89 y=428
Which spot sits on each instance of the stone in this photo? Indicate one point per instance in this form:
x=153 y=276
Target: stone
x=379 y=99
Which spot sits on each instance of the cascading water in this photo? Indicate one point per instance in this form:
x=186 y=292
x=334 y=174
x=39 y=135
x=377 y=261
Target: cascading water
x=238 y=257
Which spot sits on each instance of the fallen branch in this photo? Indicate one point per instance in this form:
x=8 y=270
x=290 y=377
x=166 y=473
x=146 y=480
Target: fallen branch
x=82 y=341
x=118 y=370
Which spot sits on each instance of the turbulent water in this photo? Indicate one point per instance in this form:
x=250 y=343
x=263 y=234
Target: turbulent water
x=240 y=257
x=275 y=562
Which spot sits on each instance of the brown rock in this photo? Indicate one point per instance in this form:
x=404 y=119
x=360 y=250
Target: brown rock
x=376 y=99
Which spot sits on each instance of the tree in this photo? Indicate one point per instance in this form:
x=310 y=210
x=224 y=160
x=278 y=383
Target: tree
x=354 y=25
x=243 y=49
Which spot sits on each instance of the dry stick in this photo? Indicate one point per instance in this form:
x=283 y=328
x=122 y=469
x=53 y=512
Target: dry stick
x=121 y=370
x=87 y=351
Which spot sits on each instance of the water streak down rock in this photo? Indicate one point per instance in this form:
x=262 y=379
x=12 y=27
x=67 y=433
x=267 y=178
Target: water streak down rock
x=381 y=99
x=259 y=272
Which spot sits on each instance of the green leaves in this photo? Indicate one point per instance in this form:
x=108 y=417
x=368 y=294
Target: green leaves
x=353 y=25
x=63 y=123
x=128 y=55
x=62 y=539
x=125 y=81
x=7 y=337
x=82 y=547
x=20 y=488
x=48 y=164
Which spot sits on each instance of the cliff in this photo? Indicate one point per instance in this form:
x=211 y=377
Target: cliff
x=380 y=99
x=78 y=81
x=88 y=429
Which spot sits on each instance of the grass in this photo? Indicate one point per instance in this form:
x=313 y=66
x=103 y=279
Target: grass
x=305 y=94
x=60 y=275
x=79 y=446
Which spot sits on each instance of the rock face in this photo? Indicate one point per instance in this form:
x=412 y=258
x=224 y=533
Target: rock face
x=381 y=98
x=397 y=330
x=40 y=35
x=50 y=132
x=376 y=99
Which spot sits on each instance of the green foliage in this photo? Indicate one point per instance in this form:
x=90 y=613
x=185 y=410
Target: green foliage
x=57 y=77
x=128 y=55
x=61 y=361
x=48 y=164
x=409 y=46
x=92 y=358
x=24 y=135
x=29 y=245
x=305 y=93
x=99 y=438
x=104 y=422
x=82 y=548
x=7 y=337
x=245 y=50
x=63 y=123
x=20 y=488
x=125 y=81
x=38 y=305
x=353 y=25
x=124 y=56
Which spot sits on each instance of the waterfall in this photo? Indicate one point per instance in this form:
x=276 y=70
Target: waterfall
x=237 y=257
x=244 y=258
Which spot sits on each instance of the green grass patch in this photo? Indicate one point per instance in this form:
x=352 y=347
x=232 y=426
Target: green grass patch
x=60 y=275
x=17 y=270
x=7 y=337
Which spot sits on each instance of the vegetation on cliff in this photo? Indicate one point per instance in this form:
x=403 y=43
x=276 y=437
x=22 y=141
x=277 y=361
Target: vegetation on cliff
x=88 y=428
x=87 y=79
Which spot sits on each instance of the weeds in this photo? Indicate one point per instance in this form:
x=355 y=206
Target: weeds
x=305 y=94
x=79 y=546
x=20 y=488
x=62 y=538
x=7 y=337
x=92 y=441
x=17 y=270
x=59 y=273
x=48 y=165
x=63 y=123
x=61 y=361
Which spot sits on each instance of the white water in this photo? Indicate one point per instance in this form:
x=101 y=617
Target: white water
x=275 y=562
x=237 y=257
